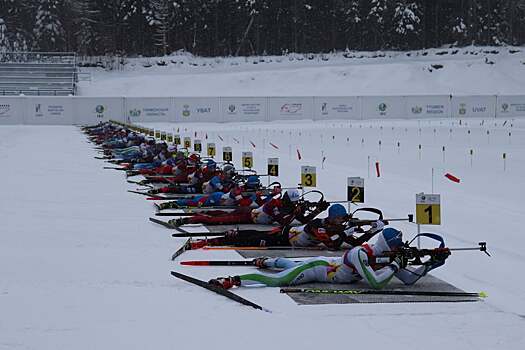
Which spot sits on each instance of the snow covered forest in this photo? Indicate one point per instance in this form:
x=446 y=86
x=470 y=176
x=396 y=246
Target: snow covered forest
x=255 y=27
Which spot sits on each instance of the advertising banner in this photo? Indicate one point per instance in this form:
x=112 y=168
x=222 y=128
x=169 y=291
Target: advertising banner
x=473 y=106
x=149 y=109
x=337 y=107
x=383 y=107
x=92 y=110
x=11 y=110
x=197 y=109
x=242 y=109
x=49 y=110
x=290 y=108
x=428 y=106
x=510 y=106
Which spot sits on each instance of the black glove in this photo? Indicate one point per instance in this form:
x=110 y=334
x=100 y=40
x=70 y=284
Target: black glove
x=437 y=259
x=323 y=205
x=400 y=262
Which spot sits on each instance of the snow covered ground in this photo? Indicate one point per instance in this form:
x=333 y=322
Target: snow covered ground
x=82 y=268
x=469 y=70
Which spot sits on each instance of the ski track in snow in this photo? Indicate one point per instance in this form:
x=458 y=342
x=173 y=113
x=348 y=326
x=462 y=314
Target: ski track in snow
x=83 y=268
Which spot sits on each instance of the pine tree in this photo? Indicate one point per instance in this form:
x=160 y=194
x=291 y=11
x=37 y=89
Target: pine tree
x=406 y=24
x=352 y=21
x=85 y=19
x=162 y=21
x=5 y=45
x=48 y=31
x=376 y=23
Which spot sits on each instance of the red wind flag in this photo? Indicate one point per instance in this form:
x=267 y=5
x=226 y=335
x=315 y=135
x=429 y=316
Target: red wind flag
x=274 y=146
x=452 y=178
x=253 y=144
x=298 y=154
x=220 y=137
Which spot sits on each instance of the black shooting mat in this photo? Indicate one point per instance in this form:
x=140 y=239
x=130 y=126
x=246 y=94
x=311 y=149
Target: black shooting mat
x=427 y=283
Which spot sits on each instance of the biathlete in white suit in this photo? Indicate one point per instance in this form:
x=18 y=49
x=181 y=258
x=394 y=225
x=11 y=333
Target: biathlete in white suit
x=356 y=264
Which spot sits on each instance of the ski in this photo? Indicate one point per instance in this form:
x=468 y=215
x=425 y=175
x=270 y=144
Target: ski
x=163 y=223
x=114 y=168
x=317 y=249
x=179 y=196
x=383 y=292
x=203 y=208
x=192 y=212
x=139 y=183
x=197 y=234
x=142 y=193
x=185 y=246
x=218 y=263
x=217 y=290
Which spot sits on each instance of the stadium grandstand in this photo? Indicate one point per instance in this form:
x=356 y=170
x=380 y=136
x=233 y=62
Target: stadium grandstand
x=38 y=73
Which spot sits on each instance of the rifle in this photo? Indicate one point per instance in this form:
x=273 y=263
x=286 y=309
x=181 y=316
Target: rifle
x=436 y=256
x=358 y=222
x=114 y=168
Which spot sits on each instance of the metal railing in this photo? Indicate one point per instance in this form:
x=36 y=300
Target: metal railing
x=38 y=57
x=38 y=73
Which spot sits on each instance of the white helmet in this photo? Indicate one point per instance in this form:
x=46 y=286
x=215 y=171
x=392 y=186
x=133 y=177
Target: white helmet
x=388 y=240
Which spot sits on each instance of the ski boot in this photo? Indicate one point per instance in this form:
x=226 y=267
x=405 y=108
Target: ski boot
x=178 y=222
x=198 y=244
x=168 y=205
x=226 y=282
x=260 y=262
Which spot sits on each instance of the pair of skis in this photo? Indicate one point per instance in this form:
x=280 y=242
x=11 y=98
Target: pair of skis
x=218 y=290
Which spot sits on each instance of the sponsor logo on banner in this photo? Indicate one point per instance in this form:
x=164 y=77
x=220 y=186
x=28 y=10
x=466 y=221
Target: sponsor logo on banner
x=203 y=110
x=479 y=109
x=518 y=107
x=156 y=111
x=251 y=108
x=504 y=107
x=291 y=108
x=324 y=108
x=4 y=109
x=38 y=110
x=232 y=108
x=186 y=111
x=417 y=109
x=435 y=109
x=462 y=109
x=134 y=112
x=343 y=108
x=55 y=110
x=382 y=108
x=99 y=110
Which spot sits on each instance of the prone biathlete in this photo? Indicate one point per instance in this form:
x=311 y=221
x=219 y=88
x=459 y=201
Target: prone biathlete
x=358 y=263
x=330 y=232
x=281 y=211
